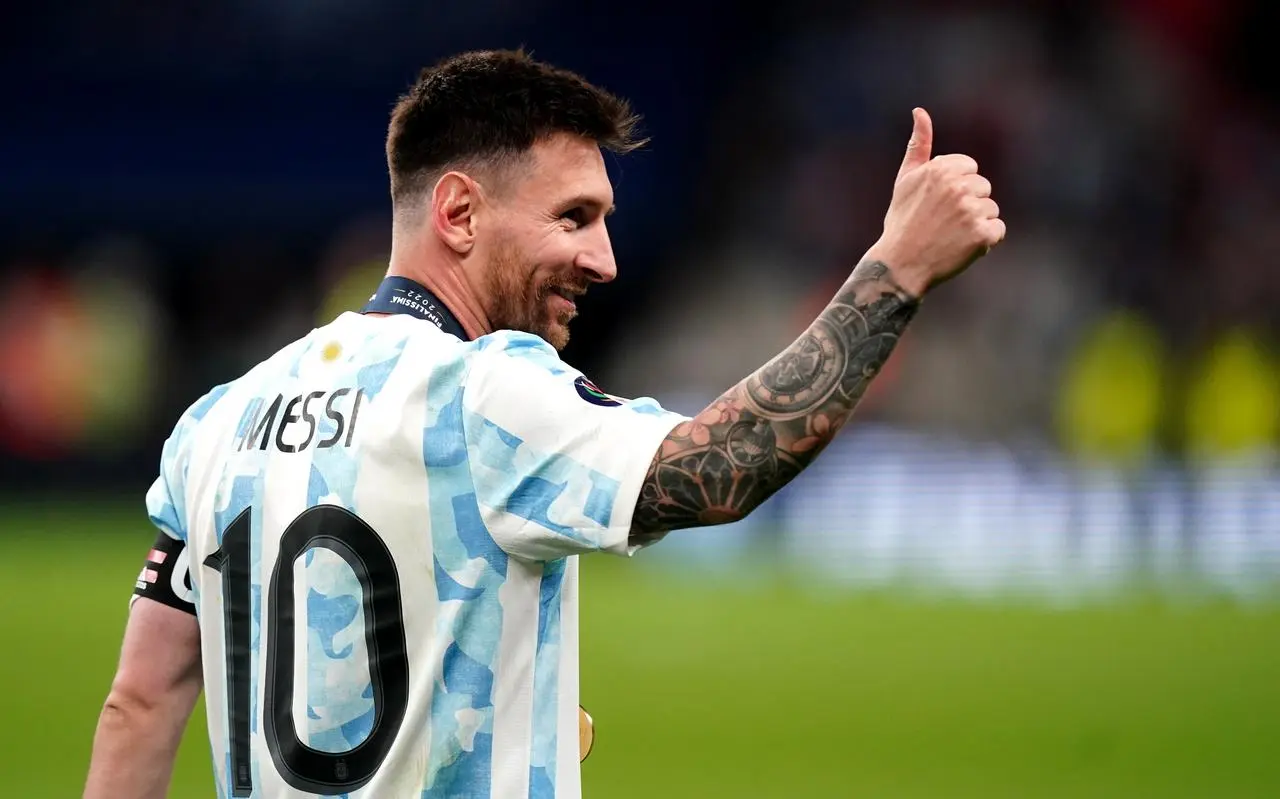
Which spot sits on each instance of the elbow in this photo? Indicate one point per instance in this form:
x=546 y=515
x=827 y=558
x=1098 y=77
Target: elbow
x=726 y=515
x=132 y=712
x=120 y=715
x=127 y=700
x=123 y=706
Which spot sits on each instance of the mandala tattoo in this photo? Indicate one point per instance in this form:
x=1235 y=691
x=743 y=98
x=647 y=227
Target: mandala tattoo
x=761 y=433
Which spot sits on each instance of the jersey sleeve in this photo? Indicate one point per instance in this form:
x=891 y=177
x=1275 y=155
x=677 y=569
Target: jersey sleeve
x=166 y=576
x=166 y=505
x=557 y=464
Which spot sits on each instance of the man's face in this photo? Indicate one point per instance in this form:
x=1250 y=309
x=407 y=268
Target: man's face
x=548 y=240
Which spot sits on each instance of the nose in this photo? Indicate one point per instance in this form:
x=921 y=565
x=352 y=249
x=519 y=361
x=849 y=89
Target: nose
x=597 y=259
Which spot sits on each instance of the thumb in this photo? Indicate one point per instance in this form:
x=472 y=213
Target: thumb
x=920 y=147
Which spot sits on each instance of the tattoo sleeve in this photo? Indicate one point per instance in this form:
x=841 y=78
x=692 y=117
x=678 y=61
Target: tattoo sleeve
x=731 y=457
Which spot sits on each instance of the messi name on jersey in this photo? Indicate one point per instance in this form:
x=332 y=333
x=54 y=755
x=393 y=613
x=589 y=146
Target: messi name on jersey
x=320 y=418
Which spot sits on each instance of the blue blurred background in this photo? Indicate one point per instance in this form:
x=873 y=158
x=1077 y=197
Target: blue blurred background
x=187 y=188
x=1092 y=411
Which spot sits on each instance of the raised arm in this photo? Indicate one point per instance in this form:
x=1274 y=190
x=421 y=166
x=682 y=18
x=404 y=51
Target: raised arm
x=761 y=433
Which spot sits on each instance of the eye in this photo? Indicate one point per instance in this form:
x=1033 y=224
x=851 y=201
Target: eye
x=578 y=216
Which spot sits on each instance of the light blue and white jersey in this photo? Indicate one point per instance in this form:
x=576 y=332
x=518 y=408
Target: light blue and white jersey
x=381 y=523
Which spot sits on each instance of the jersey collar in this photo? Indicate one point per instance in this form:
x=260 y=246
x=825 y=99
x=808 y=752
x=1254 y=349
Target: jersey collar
x=401 y=295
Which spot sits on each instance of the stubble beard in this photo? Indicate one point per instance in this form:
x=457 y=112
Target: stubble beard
x=517 y=302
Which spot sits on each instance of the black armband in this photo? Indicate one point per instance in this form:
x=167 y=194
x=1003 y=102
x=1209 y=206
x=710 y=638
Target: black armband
x=166 y=577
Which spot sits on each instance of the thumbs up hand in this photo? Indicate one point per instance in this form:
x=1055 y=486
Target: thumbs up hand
x=941 y=218
x=920 y=145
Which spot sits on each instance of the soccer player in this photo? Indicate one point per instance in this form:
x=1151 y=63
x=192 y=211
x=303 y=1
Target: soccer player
x=367 y=543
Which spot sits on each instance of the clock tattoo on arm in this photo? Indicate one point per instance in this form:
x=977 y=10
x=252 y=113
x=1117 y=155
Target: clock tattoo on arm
x=761 y=433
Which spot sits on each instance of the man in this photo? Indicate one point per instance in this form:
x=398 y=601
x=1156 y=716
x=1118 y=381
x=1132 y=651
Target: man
x=378 y=524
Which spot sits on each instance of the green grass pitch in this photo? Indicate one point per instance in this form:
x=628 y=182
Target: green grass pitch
x=711 y=690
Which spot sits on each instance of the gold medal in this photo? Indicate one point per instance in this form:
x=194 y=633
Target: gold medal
x=586 y=733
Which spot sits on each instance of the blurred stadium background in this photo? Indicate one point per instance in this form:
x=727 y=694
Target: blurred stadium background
x=1043 y=562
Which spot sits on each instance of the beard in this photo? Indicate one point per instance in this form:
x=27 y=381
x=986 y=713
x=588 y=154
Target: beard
x=518 y=299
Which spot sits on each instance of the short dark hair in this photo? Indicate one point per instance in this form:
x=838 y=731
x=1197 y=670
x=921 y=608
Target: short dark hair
x=488 y=106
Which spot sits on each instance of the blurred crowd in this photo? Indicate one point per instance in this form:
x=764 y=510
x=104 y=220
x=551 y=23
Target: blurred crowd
x=189 y=192
x=1133 y=304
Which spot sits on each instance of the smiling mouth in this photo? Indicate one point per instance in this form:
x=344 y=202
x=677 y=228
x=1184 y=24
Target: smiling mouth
x=568 y=295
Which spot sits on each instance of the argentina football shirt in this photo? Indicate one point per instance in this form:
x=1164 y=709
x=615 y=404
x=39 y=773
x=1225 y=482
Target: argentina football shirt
x=376 y=529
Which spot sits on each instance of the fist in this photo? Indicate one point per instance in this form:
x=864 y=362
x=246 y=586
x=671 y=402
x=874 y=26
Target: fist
x=941 y=218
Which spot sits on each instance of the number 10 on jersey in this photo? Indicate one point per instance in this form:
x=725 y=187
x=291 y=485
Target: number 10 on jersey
x=306 y=769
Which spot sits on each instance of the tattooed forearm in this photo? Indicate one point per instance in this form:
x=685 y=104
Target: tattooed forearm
x=761 y=433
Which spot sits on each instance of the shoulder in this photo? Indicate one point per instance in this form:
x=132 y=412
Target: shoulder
x=190 y=419
x=403 y=341
x=510 y=348
x=516 y=369
x=522 y=371
x=206 y=408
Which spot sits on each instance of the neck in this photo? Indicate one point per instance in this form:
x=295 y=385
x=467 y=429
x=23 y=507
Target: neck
x=447 y=281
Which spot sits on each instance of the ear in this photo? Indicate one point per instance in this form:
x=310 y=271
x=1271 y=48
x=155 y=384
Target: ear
x=454 y=203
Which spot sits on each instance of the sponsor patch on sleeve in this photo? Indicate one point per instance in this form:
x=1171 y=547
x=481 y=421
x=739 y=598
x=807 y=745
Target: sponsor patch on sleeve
x=591 y=393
